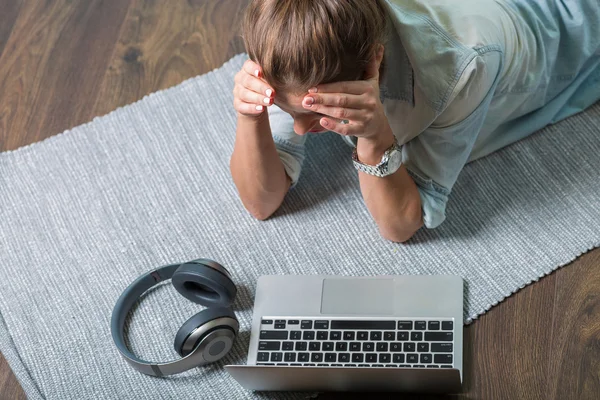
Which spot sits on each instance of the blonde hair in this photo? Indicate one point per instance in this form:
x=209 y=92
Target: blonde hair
x=302 y=43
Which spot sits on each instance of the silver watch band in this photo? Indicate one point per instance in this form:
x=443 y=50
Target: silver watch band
x=380 y=170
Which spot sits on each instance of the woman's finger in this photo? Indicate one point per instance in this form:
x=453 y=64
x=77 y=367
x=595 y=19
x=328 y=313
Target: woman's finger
x=340 y=113
x=342 y=100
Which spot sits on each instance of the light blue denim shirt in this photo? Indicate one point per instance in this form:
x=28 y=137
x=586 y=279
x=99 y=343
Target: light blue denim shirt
x=464 y=78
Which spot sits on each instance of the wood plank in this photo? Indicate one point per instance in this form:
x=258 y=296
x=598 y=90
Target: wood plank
x=574 y=368
x=164 y=43
x=52 y=66
x=8 y=17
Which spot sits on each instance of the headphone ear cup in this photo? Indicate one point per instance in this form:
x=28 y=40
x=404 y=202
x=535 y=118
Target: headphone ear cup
x=203 y=284
x=201 y=325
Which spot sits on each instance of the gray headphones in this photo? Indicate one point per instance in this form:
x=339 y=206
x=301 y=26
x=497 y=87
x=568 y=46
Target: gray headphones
x=204 y=338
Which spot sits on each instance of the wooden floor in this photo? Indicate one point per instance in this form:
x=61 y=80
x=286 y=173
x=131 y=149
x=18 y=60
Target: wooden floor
x=63 y=62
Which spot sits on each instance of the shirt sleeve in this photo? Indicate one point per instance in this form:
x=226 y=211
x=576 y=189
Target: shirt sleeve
x=435 y=157
x=290 y=146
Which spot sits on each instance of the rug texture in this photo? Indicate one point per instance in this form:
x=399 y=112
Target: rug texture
x=84 y=213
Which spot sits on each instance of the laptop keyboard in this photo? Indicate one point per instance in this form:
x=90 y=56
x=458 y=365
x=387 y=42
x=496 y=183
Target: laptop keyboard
x=356 y=343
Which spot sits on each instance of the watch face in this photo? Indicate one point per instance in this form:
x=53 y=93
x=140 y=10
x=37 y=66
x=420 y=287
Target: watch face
x=394 y=162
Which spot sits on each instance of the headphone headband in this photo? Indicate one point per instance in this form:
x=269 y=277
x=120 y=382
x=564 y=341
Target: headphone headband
x=124 y=304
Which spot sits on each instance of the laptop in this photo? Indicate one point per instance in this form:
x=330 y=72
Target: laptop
x=378 y=333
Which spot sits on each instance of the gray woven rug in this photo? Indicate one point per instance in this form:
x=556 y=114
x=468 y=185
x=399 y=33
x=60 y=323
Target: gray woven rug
x=85 y=212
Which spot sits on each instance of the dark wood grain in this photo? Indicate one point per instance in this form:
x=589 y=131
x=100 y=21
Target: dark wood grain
x=64 y=62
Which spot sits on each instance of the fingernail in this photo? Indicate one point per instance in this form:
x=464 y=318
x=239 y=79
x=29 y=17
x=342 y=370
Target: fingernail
x=269 y=92
x=257 y=73
x=312 y=90
x=325 y=122
x=309 y=101
x=267 y=100
x=259 y=108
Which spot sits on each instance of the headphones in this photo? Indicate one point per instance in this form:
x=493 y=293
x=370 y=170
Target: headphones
x=204 y=338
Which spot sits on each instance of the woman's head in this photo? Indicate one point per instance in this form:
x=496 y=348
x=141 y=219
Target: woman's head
x=302 y=43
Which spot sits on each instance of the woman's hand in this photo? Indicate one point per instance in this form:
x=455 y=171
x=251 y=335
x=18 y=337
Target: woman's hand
x=352 y=108
x=251 y=94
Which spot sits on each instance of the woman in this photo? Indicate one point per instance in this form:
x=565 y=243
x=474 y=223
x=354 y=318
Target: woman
x=419 y=87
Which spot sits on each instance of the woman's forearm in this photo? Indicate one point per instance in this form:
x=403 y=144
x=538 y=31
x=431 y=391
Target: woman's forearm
x=393 y=201
x=256 y=168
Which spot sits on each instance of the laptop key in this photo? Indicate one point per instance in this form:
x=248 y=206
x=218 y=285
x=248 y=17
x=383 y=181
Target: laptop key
x=420 y=325
x=301 y=346
x=344 y=357
x=375 y=335
x=412 y=358
x=382 y=347
x=306 y=324
x=350 y=365
x=385 y=358
x=438 y=336
x=289 y=357
x=447 y=325
x=398 y=358
x=279 y=324
x=276 y=357
x=262 y=356
x=341 y=346
x=314 y=346
x=371 y=357
x=433 y=325
x=425 y=358
x=378 y=365
x=267 y=322
x=287 y=346
x=308 y=335
x=422 y=347
x=303 y=357
x=293 y=322
x=310 y=365
x=409 y=347
x=395 y=347
x=405 y=325
x=269 y=345
x=368 y=346
x=418 y=366
x=316 y=357
x=442 y=358
x=279 y=335
x=322 y=335
x=441 y=347
x=362 y=335
x=336 y=365
x=295 y=335
x=284 y=364
x=330 y=357
x=265 y=363
x=355 y=346
x=402 y=336
x=404 y=366
x=322 y=365
x=445 y=366
x=321 y=324
x=433 y=366
x=389 y=336
x=391 y=366
x=358 y=357
x=295 y=365
x=335 y=335
x=363 y=365
x=327 y=346
x=416 y=336
x=348 y=335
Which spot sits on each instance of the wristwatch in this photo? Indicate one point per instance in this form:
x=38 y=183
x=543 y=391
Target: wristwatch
x=390 y=162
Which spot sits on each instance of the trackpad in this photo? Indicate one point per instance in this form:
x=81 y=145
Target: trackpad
x=358 y=296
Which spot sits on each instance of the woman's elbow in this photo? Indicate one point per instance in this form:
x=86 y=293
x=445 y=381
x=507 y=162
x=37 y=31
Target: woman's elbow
x=401 y=229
